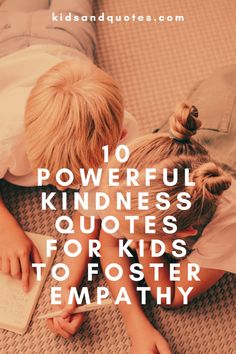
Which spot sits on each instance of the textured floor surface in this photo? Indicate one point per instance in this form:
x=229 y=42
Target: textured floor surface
x=155 y=64
x=205 y=326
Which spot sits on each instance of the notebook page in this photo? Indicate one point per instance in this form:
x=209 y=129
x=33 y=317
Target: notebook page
x=16 y=307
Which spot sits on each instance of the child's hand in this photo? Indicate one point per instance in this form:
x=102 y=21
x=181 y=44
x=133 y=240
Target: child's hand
x=67 y=324
x=149 y=341
x=16 y=253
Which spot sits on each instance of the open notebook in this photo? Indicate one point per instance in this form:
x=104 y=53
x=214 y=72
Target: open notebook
x=17 y=307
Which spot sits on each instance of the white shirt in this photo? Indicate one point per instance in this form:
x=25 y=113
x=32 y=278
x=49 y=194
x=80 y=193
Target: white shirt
x=18 y=75
x=216 y=248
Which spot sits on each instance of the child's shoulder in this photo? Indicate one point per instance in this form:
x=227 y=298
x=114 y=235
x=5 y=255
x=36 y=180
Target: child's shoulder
x=216 y=248
x=225 y=214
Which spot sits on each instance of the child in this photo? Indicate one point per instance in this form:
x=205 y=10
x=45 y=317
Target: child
x=57 y=109
x=213 y=205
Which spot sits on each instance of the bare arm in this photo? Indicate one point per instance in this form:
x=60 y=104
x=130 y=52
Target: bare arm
x=208 y=277
x=69 y=324
x=145 y=339
x=78 y=265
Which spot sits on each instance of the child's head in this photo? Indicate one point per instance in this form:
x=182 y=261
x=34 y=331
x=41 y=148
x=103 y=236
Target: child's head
x=73 y=110
x=174 y=150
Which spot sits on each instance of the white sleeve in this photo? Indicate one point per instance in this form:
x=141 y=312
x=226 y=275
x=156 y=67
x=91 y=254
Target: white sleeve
x=218 y=252
x=4 y=159
x=131 y=126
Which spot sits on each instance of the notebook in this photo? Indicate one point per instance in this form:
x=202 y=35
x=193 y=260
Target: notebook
x=17 y=307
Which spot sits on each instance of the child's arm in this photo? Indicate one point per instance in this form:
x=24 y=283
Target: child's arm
x=16 y=249
x=145 y=338
x=67 y=325
x=208 y=277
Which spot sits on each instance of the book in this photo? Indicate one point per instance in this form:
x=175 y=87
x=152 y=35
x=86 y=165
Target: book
x=16 y=306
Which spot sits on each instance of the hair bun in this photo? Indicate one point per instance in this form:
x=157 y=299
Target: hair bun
x=184 y=122
x=211 y=178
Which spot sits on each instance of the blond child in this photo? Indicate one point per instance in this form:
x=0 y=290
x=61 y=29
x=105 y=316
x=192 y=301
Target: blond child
x=57 y=109
x=213 y=200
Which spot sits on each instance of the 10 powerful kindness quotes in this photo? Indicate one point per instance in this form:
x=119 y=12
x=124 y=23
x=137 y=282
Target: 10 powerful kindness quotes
x=100 y=192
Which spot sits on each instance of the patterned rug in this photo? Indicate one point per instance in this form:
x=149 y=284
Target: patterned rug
x=205 y=326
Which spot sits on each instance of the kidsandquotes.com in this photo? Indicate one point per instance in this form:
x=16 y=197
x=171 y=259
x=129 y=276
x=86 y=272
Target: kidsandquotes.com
x=103 y=17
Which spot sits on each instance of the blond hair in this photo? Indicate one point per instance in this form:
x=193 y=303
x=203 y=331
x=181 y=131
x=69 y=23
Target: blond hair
x=177 y=150
x=73 y=110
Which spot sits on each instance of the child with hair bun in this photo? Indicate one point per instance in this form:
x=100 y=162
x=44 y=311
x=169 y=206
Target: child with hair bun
x=211 y=218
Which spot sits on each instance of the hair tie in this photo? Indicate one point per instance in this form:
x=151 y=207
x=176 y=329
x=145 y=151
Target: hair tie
x=180 y=140
x=192 y=114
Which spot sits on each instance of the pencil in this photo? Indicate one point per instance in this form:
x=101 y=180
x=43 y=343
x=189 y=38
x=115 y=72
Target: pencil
x=85 y=308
